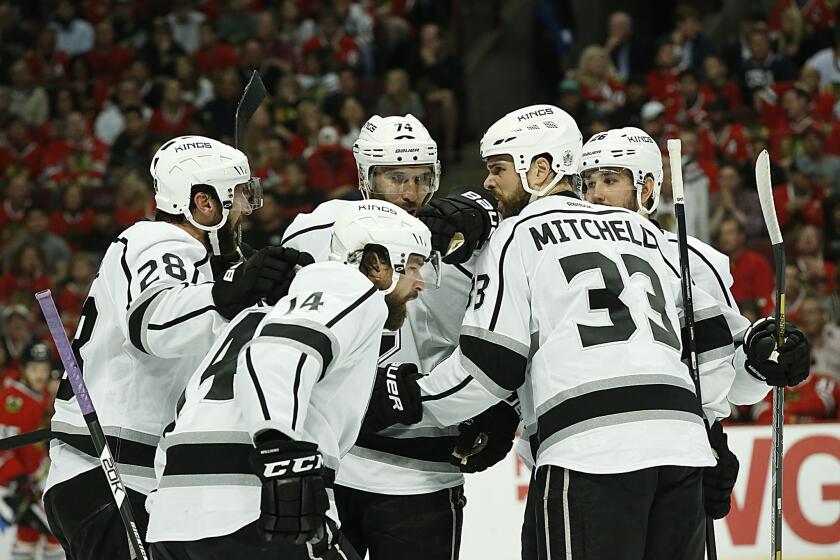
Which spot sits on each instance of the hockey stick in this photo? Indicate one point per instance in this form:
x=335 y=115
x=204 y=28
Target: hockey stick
x=27 y=438
x=252 y=98
x=106 y=460
x=768 y=208
x=675 y=154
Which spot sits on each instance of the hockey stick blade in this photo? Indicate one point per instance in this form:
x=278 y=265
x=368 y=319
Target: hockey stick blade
x=106 y=460
x=251 y=100
x=765 y=196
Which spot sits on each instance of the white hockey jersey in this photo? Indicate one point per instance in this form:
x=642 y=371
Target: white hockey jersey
x=305 y=367
x=400 y=459
x=578 y=306
x=147 y=322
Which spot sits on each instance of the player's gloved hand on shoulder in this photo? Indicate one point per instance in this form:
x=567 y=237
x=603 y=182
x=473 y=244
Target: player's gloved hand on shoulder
x=719 y=480
x=486 y=439
x=267 y=276
x=294 y=502
x=469 y=213
x=220 y=263
x=395 y=398
x=789 y=367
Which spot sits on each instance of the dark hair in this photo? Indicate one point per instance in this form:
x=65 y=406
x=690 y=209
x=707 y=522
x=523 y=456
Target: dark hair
x=684 y=11
x=368 y=264
x=688 y=73
x=14 y=265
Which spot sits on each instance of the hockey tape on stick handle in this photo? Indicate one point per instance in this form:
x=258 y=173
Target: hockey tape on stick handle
x=65 y=352
x=675 y=155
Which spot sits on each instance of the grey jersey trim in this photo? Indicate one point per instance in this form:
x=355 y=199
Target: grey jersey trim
x=180 y=438
x=498 y=339
x=405 y=462
x=193 y=480
x=475 y=372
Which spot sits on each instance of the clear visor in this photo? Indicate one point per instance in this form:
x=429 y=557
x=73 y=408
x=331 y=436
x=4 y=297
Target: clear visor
x=419 y=179
x=611 y=176
x=422 y=269
x=248 y=196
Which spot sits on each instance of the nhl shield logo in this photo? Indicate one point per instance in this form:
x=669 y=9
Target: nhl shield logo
x=13 y=404
x=567 y=158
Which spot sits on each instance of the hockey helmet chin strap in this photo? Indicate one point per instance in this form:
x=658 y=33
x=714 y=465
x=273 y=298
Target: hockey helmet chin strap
x=212 y=231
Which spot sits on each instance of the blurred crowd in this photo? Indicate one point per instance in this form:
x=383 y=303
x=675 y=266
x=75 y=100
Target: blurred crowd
x=89 y=89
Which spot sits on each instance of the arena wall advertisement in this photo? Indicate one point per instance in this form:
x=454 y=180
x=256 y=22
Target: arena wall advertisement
x=811 y=499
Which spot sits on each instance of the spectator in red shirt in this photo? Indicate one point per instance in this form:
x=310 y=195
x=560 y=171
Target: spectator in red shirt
x=732 y=200
x=16 y=202
x=79 y=156
x=816 y=272
x=786 y=133
x=252 y=57
x=294 y=195
x=276 y=157
x=108 y=59
x=46 y=62
x=21 y=152
x=800 y=201
x=717 y=79
x=212 y=54
x=73 y=294
x=689 y=105
x=662 y=79
x=331 y=167
x=753 y=282
x=26 y=274
x=654 y=123
x=74 y=219
x=133 y=202
x=722 y=139
x=173 y=116
x=342 y=47
x=598 y=79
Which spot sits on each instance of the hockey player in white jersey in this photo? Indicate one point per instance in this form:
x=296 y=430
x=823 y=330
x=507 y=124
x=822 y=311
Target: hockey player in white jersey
x=280 y=398
x=577 y=308
x=152 y=313
x=628 y=174
x=398 y=493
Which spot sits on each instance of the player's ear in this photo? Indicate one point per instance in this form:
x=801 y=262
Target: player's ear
x=377 y=271
x=204 y=204
x=647 y=190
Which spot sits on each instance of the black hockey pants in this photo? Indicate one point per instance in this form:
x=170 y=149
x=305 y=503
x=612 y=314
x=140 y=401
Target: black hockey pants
x=412 y=527
x=650 y=514
x=84 y=517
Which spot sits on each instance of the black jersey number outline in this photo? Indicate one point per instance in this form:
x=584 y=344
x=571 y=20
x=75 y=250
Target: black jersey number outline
x=87 y=319
x=223 y=365
x=607 y=298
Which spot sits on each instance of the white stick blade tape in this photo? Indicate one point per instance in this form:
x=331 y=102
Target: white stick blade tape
x=765 y=195
x=675 y=155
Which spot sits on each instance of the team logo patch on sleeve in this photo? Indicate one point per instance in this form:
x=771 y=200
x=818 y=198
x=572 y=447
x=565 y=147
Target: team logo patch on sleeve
x=13 y=404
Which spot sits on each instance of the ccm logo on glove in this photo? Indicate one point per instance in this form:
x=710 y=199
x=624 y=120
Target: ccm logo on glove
x=298 y=464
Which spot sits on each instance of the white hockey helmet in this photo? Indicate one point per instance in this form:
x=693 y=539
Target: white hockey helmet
x=378 y=222
x=532 y=131
x=395 y=141
x=187 y=161
x=627 y=148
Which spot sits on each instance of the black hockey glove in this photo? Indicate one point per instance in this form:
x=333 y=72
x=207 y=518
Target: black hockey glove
x=294 y=501
x=395 y=398
x=220 y=263
x=267 y=276
x=485 y=439
x=719 y=480
x=469 y=213
x=793 y=363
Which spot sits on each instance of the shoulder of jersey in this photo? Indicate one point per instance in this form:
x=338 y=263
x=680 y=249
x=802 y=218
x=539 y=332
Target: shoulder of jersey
x=145 y=234
x=330 y=277
x=324 y=213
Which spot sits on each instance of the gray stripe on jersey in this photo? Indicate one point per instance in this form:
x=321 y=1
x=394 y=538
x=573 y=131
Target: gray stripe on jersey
x=429 y=431
x=497 y=339
x=700 y=314
x=400 y=461
x=181 y=438
x=134 y=470
x=615 y=420
x=715 y=354
x=124 y=433
x=188 y=480
x=612 y=383
x=489 y=385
